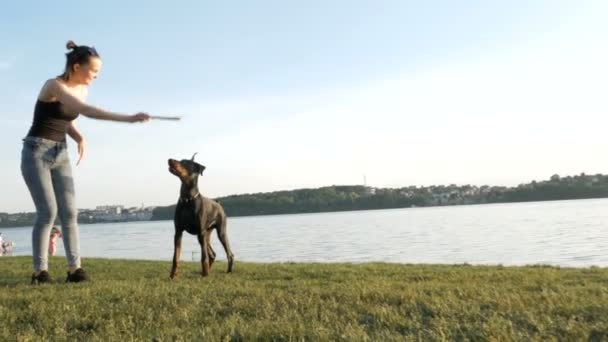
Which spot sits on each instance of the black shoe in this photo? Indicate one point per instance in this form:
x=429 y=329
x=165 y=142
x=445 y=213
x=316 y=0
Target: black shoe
x=78 y=276
x=42 y=278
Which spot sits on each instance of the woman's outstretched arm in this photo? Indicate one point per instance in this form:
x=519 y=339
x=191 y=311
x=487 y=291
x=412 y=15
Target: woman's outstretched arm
x=54 y=88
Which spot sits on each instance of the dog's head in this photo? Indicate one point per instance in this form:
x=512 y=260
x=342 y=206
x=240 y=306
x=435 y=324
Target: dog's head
x=186 y=169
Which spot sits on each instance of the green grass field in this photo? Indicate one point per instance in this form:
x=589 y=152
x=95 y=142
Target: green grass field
x=135 y=300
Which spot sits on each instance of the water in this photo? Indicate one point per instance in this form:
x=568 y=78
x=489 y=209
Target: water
x=566 y=233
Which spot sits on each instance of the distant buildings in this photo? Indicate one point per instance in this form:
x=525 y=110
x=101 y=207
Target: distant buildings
x=115 y=213
x=104 y=213
x=370 y=191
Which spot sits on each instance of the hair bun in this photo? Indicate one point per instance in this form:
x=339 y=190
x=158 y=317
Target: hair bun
x=70 y=45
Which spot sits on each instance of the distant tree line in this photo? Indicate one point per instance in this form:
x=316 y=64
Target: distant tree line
x=17 y=220
x=356 y=197
x=341 y=198
x=27 y=219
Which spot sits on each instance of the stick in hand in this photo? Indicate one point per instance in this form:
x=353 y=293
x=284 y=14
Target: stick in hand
x=173 y=118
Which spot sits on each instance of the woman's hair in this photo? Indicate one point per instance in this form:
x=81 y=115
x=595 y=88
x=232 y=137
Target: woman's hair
x=79 y=54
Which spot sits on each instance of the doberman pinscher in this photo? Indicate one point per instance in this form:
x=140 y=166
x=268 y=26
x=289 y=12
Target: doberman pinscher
x=197 y=215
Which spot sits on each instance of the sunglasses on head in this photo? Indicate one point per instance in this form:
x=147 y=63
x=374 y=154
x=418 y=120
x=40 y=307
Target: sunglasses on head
x=93 y=52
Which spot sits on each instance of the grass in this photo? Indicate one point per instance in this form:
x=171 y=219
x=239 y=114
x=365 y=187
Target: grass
x=135 y=300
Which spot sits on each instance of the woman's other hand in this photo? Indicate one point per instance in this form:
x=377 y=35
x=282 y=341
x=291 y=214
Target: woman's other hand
x=82 y=150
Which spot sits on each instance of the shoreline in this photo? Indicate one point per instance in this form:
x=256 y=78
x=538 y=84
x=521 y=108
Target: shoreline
x=342 y=211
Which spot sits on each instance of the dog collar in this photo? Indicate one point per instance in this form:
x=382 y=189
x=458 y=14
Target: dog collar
x=186 y=200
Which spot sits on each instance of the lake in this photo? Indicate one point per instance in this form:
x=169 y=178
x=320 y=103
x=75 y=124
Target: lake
x=565 y=233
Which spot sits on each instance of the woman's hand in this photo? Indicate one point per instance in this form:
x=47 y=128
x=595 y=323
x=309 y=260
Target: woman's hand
x=139 y=117
x=82 y=150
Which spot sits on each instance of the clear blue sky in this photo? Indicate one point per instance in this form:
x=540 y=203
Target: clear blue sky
x=283 y=94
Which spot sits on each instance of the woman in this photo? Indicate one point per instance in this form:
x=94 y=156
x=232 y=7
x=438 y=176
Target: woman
x=44 y=159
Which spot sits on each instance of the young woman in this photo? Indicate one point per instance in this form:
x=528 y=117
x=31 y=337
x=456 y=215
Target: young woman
x=44 y=158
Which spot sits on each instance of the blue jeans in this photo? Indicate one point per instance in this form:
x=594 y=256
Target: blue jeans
x=46 y=169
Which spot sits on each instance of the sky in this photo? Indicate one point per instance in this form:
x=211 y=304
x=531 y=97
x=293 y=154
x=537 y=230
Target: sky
x=281 y=95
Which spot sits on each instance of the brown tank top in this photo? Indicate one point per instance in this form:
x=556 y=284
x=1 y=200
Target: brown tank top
x=51 y=121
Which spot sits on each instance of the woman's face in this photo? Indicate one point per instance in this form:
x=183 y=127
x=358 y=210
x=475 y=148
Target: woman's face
x=86 y=73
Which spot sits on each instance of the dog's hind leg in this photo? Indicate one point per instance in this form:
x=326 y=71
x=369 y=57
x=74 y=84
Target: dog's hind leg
x=223 y=236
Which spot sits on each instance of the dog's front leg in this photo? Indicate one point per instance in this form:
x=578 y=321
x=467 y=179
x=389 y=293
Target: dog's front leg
x=204 y=254
x=209 y=249
x=177 y=250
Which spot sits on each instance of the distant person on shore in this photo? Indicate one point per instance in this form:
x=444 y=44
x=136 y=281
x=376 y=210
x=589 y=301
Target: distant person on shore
x=55 y=234
x=45 y=164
